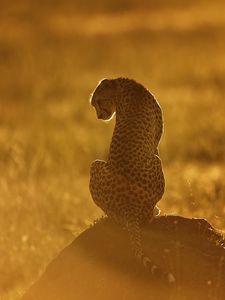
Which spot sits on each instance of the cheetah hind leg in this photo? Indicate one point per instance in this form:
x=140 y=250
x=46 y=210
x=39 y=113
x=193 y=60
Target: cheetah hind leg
x=134 y=230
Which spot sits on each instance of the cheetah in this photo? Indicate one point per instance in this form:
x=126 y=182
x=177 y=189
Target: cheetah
x=129 y=184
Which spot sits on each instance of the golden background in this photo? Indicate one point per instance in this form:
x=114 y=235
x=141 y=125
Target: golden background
x=52 y=54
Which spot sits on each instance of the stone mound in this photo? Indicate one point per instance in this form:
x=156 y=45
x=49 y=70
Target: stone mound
x=99 y=264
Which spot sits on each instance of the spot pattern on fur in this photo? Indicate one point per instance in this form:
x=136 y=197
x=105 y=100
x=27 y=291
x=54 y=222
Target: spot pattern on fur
x=129 y=184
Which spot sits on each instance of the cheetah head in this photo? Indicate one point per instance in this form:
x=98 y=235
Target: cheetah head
x=103 y=99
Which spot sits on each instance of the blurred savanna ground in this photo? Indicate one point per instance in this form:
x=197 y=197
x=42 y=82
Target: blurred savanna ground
x=52 y=54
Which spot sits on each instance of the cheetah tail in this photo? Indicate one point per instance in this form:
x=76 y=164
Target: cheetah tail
x=134 y=230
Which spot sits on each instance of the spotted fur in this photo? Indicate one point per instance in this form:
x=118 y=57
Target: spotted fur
x=128 y=186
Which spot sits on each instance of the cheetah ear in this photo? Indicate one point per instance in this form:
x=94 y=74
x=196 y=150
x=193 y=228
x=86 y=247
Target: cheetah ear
x=104 y=81
x=110 y=83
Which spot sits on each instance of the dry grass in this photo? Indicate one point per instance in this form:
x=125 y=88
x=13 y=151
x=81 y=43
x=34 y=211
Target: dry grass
x=51 y=57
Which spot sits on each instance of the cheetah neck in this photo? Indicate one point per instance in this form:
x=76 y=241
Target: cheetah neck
x=132 y=143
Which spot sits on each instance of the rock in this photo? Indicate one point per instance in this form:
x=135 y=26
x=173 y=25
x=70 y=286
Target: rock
x=99 y=264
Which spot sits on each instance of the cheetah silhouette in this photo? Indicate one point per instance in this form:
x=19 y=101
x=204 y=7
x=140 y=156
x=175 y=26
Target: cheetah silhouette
x=129 y=184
